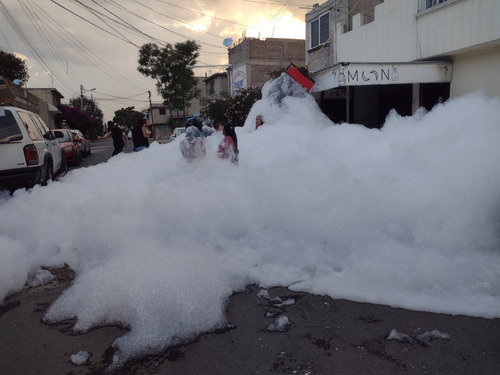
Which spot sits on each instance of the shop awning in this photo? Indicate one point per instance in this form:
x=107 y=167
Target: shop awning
x=51 y=108
x=363 y=74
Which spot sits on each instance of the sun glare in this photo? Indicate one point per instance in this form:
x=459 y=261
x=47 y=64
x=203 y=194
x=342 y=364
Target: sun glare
x=287 y=26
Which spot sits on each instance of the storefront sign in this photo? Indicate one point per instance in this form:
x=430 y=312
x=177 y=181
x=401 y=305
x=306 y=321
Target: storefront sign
x=381 y=74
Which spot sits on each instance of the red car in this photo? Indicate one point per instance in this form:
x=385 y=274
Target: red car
x=69 y=145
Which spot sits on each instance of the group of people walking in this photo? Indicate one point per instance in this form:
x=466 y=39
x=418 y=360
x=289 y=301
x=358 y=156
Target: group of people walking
x=192 y=145
x=139 y=136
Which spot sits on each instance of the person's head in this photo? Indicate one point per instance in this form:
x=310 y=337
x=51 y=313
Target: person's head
x=258 y=121
x=192 y=132
x=110 y=125
x=218 y=125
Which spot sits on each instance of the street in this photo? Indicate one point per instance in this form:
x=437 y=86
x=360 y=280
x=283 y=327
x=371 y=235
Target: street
x=326 y=336
x=101 y=151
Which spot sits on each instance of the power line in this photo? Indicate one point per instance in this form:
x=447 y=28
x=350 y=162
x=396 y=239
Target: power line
x=46 y=36
x=178 y=20
x=81 y=49
x=204 y=14
x=27 y=40
x=95 y=25
x=160 y=26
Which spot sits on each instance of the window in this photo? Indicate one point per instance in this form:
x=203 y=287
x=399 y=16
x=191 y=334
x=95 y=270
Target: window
x=9 y=130
x=163 y=111
x=320 y=30
x=35 y=133
x=426 y=4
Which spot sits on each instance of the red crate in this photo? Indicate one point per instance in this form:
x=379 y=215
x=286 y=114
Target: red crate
x=299 y=77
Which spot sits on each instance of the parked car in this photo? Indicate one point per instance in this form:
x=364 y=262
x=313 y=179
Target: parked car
x=29 y=152
x=84 y=142
x=69 y=145
x=177 y=132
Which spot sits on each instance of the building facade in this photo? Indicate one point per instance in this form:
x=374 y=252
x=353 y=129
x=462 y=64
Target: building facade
x=42 y=101
x=252 y=59
x=401 y=54
x=163 y=121
x=216 y=85
x=49 y=112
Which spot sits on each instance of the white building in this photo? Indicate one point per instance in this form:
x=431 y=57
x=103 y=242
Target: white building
x=369 y=56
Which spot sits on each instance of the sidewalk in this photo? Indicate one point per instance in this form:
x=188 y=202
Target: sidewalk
x=326 y=336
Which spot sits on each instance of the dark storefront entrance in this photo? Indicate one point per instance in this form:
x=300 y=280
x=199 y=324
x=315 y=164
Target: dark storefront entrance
x=370 y=105
x=365 y=93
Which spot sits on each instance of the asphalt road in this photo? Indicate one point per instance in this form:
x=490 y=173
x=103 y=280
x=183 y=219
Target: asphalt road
x=101 y=151
x=326 y=336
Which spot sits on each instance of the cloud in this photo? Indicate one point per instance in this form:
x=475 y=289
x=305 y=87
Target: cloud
x=96 y=44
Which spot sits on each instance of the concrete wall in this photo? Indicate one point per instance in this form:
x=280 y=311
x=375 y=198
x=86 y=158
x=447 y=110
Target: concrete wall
x=324 y=56
x=401 y=33
x=390 y=38
x=255 y=58
x=216 y=85
x=477 y=70
x=465 y=32
x=457 y=25
x=343 y=14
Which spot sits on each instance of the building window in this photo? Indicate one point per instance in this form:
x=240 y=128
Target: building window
x=210 y=88
x=163 y=111
x=320 y=30
x=427 y=4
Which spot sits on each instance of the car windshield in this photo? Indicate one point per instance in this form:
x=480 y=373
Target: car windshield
x=62 y=136
x=9 y=130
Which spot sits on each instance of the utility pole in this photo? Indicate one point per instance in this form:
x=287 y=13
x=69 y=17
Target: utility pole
x=151 y=115
x=335 y=34
x=81 y=95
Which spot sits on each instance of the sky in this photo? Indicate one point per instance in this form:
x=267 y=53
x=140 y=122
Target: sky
x=406 y=216
x=95 y=44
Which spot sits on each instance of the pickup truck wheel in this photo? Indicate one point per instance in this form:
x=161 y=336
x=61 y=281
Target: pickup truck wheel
x=49 y=174
x=64 y=166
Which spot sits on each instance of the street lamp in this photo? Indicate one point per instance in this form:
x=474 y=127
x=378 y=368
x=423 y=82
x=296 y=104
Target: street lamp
x=81 y=95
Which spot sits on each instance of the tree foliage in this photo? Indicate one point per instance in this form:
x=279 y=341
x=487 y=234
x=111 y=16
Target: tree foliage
x=242 y=103
x=89 y=121
x=76 y=119
x=215 y=109
x=169 y=66
x=12 y=67
x=127 y=117
x=235 y=108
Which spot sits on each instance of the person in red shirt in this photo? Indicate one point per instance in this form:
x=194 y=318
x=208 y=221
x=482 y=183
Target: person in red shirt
x=228 y=147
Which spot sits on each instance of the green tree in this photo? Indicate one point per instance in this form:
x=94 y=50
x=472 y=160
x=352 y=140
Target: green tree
x=175 y=80
x=12 y=67
x=242 y=103
x=215 y=109
x=127 y=117
x=235 y=108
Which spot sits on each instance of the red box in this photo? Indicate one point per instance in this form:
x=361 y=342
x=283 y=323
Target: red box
x=298 y=76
